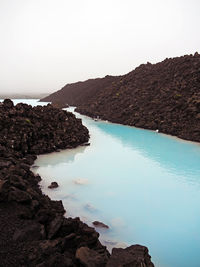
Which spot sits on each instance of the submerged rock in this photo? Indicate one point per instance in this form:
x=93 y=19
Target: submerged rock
x=81 y=181
x=100 y=224
x=86 y=144
x=90 y=208
x=53 y=185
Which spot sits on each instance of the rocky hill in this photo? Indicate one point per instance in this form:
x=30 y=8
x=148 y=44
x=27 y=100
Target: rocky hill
x=33 y=230
x=163 y=96
x=79 y=93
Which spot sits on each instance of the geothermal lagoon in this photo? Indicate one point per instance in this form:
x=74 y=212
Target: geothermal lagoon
x=144 y=185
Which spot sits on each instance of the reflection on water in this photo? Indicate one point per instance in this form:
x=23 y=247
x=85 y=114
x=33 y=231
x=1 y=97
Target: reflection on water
x=144 y=185
x=61 y=157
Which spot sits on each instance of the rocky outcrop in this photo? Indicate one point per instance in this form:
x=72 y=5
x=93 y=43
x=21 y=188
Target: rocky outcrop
x=135 y=255
x=79 y=93
x=100 y=224
x=33 y=229
x=53 y=185
x=90 y=258
x=163 y=96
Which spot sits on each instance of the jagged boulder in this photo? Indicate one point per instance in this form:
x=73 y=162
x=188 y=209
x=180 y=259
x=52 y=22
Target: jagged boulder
x=89 y=257
x=54 y=226
x=34 y=231
x=133 y=256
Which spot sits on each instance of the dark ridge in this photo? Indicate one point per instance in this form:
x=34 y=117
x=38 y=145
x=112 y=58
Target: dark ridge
x=163 y=96
x=80 y=92
x=33 y=230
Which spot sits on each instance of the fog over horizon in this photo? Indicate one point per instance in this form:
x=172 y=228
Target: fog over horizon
x=46 y=44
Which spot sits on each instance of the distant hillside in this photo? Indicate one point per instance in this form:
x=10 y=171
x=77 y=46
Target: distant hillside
x=163 y=96
x=23 y=96
x=79 y=93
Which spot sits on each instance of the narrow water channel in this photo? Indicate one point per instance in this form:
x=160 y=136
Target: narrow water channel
x=144 y=185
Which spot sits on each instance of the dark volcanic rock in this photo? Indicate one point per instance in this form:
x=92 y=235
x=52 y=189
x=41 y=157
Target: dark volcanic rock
x=8 y=103
x=78 y=93
x=37 y=130
x=54 y=226
x=18 y=195
x=4 y=188
x=34 y=231
x=59 y=104
x=53 y=185
x=90 y=258
x=163 y=96
x=5 y=164
x=135 y=256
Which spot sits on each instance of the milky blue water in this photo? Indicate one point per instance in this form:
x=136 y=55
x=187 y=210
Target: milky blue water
x=144 y=185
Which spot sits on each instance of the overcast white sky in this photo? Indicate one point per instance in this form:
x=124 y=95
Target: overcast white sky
x=45 y=44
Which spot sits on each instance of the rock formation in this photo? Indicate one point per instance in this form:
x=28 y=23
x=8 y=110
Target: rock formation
x=163 y=96
x=53 y=185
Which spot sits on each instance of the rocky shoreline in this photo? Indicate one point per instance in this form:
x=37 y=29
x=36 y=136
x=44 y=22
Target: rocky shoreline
x=163 y=97
x=33 y=228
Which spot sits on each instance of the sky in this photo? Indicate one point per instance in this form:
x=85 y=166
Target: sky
x=45 y=44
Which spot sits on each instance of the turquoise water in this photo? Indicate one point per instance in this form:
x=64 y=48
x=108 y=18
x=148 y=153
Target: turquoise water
x=32 y=102
x=144 y=185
